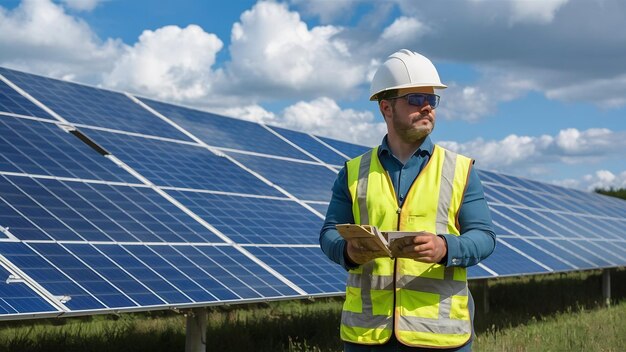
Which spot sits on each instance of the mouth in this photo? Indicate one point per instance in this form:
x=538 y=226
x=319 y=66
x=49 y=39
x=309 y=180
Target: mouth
x=426 y=117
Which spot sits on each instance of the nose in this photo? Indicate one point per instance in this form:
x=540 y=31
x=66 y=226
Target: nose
x=426 y=107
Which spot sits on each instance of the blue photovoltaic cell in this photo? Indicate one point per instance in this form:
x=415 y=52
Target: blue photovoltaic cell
x=181 y=165
x=41 y=209
x=477 y=272
x=312 y=146
x=89 y=280
x=149 y=277
x=44 y=273
x=349 y=149
x=14 y=102
x=237 y=272
x=505 y=261
x=41 y=148
x=227 y=132
x=91 y=106
x=575 y=257
x=304 y=181
x=18 y=298
x=171 y=273
x=306 y=267
x=186 y=274
x=115 y=274
x=547 y=258
x=581 y=248
x=321 y=208
x=254 y=220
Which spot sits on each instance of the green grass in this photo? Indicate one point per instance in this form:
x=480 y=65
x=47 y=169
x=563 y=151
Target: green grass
x=582 y=330
x=542 y=313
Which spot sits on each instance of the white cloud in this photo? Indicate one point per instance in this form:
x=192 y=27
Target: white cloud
x=254 y=113
x=515 y=153
x=324 y=117
x=476 y=101
x=81 y=5
x=38 y=36
x=602 y=92
x=403 y=29
x=169 y=63
x=602 y=179
x=535 y=11
x=274 y=53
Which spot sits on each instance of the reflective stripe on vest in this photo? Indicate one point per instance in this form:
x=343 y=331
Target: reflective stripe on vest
x=427 y=301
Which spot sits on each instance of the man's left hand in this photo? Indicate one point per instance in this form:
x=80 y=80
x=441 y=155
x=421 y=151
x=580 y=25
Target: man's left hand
x=425 y=247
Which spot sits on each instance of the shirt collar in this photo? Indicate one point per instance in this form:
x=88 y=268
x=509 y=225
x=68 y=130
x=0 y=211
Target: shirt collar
x=426 y=147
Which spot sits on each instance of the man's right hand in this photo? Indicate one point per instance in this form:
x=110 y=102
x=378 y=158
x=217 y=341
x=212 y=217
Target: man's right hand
x=359 y=254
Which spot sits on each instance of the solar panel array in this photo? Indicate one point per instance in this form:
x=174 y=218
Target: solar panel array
x=111 y=202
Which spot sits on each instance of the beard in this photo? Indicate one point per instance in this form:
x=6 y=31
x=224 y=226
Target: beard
x=408 y=131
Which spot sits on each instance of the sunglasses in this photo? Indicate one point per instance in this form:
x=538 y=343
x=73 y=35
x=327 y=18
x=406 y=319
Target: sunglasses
x=418 y=99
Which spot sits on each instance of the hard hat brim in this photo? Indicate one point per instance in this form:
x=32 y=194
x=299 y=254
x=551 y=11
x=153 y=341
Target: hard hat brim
x=409 y=85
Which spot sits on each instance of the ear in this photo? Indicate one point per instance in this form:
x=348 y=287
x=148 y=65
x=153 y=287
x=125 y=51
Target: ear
x=385 y=108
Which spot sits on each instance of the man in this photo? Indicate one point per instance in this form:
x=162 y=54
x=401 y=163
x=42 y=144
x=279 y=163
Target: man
x=419 y=300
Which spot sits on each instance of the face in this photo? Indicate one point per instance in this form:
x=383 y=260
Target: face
x=409 y=123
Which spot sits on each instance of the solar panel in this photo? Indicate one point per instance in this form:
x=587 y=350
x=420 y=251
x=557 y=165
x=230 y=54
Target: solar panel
x=91 y=106
x=347 y=149
x=225 y=132
x=17 y=298
x=12 y=102
x=312 y=145
x=246 y=219
x=48 y=209
x=290 y=175
x=127 y=212
x=42 y=148
x=181 y=165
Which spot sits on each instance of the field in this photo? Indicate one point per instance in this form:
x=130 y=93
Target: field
x=542 y=313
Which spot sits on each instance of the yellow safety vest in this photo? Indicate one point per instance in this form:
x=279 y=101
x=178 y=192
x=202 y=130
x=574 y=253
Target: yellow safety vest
x=426 y=305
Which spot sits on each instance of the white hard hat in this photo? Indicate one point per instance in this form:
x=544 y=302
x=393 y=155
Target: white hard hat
x=405 y=69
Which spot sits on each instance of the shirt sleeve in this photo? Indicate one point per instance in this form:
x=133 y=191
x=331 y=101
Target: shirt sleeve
x=478 y=238
x=339 y=212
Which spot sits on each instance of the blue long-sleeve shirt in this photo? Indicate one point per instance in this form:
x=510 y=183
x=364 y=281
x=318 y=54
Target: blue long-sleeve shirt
x=477 y=239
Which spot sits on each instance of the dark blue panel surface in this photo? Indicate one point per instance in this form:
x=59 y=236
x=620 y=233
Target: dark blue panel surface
x=226 y=132
x=171 y=273
x=12 y=101
x=312 y=146
x=307 y=267
x=476 y=272
x=251 y=280
x=543 y=256
x=506 y=261
x=89 y=280
x=254 y=220
x=304 y=181
x=349 y=149
x=41 y=209
x=574 y=257
x=17 y=297
x=321 y=208
x=41 y=148
x=116 y=275
x=48 y=276
x=91 y=106
x=581 y=248
x=147 y=276
x=181 y=165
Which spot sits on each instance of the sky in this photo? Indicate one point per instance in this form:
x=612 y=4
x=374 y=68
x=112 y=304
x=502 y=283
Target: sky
x=536 y=88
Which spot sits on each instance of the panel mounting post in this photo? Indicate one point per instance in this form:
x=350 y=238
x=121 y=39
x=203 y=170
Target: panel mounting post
x=485 y=295
x=606 y=286
x=195 y=339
